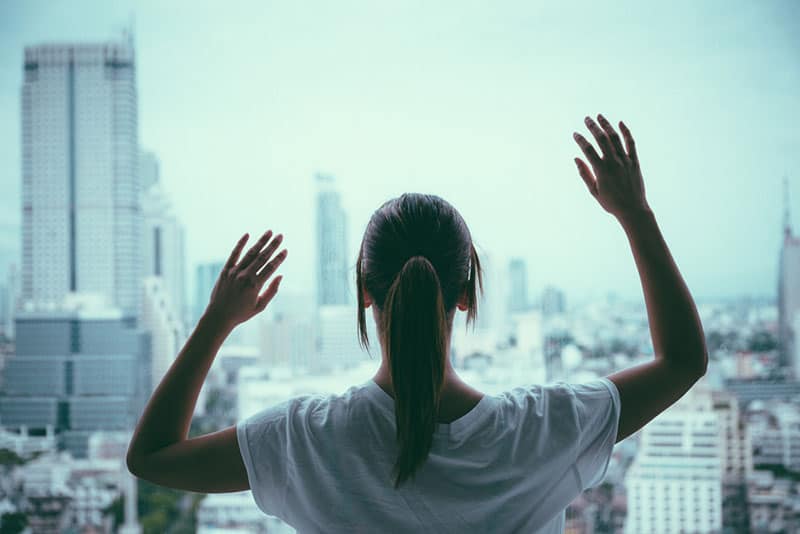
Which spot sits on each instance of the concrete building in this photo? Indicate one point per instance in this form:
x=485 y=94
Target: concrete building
x=773 y=503
x=81 y=218
x=737 y=460
x=236 y=513
x=77 y=370
x=333 y=282
x=775 y=427
x=167 y=333
x=675 y=482
x=164 y=238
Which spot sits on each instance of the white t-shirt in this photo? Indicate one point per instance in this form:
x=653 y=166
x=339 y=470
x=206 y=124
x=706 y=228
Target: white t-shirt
x=323 y=463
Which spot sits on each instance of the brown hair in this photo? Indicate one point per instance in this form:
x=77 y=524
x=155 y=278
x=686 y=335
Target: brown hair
x=416 y=260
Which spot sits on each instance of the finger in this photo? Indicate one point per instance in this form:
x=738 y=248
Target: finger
x=600 y=135
x=270 y=268
x=253 y=252
x=236 y=251
x=612 y=136
x=626 y=133
x=267 y=296
x=265 y=254
x=587 y=148
x=586 y=174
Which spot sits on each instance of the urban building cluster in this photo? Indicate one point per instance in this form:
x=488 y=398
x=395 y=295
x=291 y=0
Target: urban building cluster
x=97 y=310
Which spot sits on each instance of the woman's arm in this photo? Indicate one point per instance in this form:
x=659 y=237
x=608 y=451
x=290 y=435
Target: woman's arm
x=159 y=451
x=646 y=390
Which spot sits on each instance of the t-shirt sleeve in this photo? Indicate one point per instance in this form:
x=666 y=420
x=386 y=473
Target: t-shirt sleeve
x=263 y=445
x=597 y=408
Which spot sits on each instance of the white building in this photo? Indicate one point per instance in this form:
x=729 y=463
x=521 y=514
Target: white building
x=81 y=219
x=164 y=239
x=167 y=333
x=675 y=482
x=235 y=513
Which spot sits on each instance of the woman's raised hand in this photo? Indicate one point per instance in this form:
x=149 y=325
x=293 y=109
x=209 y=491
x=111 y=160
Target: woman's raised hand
x=235 y=297
x=614 y=178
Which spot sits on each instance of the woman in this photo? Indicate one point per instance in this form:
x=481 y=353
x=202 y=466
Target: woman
x=415 y=449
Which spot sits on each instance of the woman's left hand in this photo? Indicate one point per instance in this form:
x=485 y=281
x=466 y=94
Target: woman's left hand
x=235 y=297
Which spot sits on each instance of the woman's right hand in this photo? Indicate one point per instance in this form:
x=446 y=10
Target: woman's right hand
x=614 y=178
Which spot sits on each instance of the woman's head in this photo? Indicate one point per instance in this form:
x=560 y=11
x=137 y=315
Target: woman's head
x=415 y=264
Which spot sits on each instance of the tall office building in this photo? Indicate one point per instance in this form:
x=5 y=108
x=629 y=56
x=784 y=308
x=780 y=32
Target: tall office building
x=164 y=239
x=81 y=219
x=77 y=370
x=789 y=291
x=675 y=483
x=332 y=279
x=518 y=290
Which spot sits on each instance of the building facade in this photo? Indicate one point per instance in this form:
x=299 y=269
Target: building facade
x=75 y=371
x=81 y=218
x=332 y=277
x=164 y=238
x=675 y=482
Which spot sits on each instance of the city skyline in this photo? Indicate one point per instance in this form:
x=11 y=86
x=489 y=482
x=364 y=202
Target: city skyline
x=470 y=130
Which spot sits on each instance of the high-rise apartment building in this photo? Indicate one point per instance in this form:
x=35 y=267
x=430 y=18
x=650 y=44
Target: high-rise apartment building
x=332 y=279
x=789 y=292
x=81 y=218
x=675 y=483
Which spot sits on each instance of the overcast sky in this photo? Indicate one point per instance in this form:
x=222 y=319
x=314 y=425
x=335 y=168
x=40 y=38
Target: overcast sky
x=473 y=101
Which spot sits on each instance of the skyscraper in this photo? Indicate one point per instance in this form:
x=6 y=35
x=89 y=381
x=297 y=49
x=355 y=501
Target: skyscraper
x=164 y=239
x=332 y=281
x=81 y=217
x=518 y=292
x=788 y=290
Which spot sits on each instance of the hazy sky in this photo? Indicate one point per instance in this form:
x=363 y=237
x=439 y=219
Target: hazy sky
x=473 y=101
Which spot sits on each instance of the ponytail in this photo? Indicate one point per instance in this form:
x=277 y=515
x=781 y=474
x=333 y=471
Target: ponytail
x=415 y=329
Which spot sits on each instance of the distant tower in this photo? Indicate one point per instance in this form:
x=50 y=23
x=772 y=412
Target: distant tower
x=553 y=301
x=332 y=286
x=164 y=238
x=518 y=292
x=788 y=288
x=81 y=218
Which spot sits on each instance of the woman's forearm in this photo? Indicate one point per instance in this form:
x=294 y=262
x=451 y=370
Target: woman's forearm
x=675 y=326
x=168 y=414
